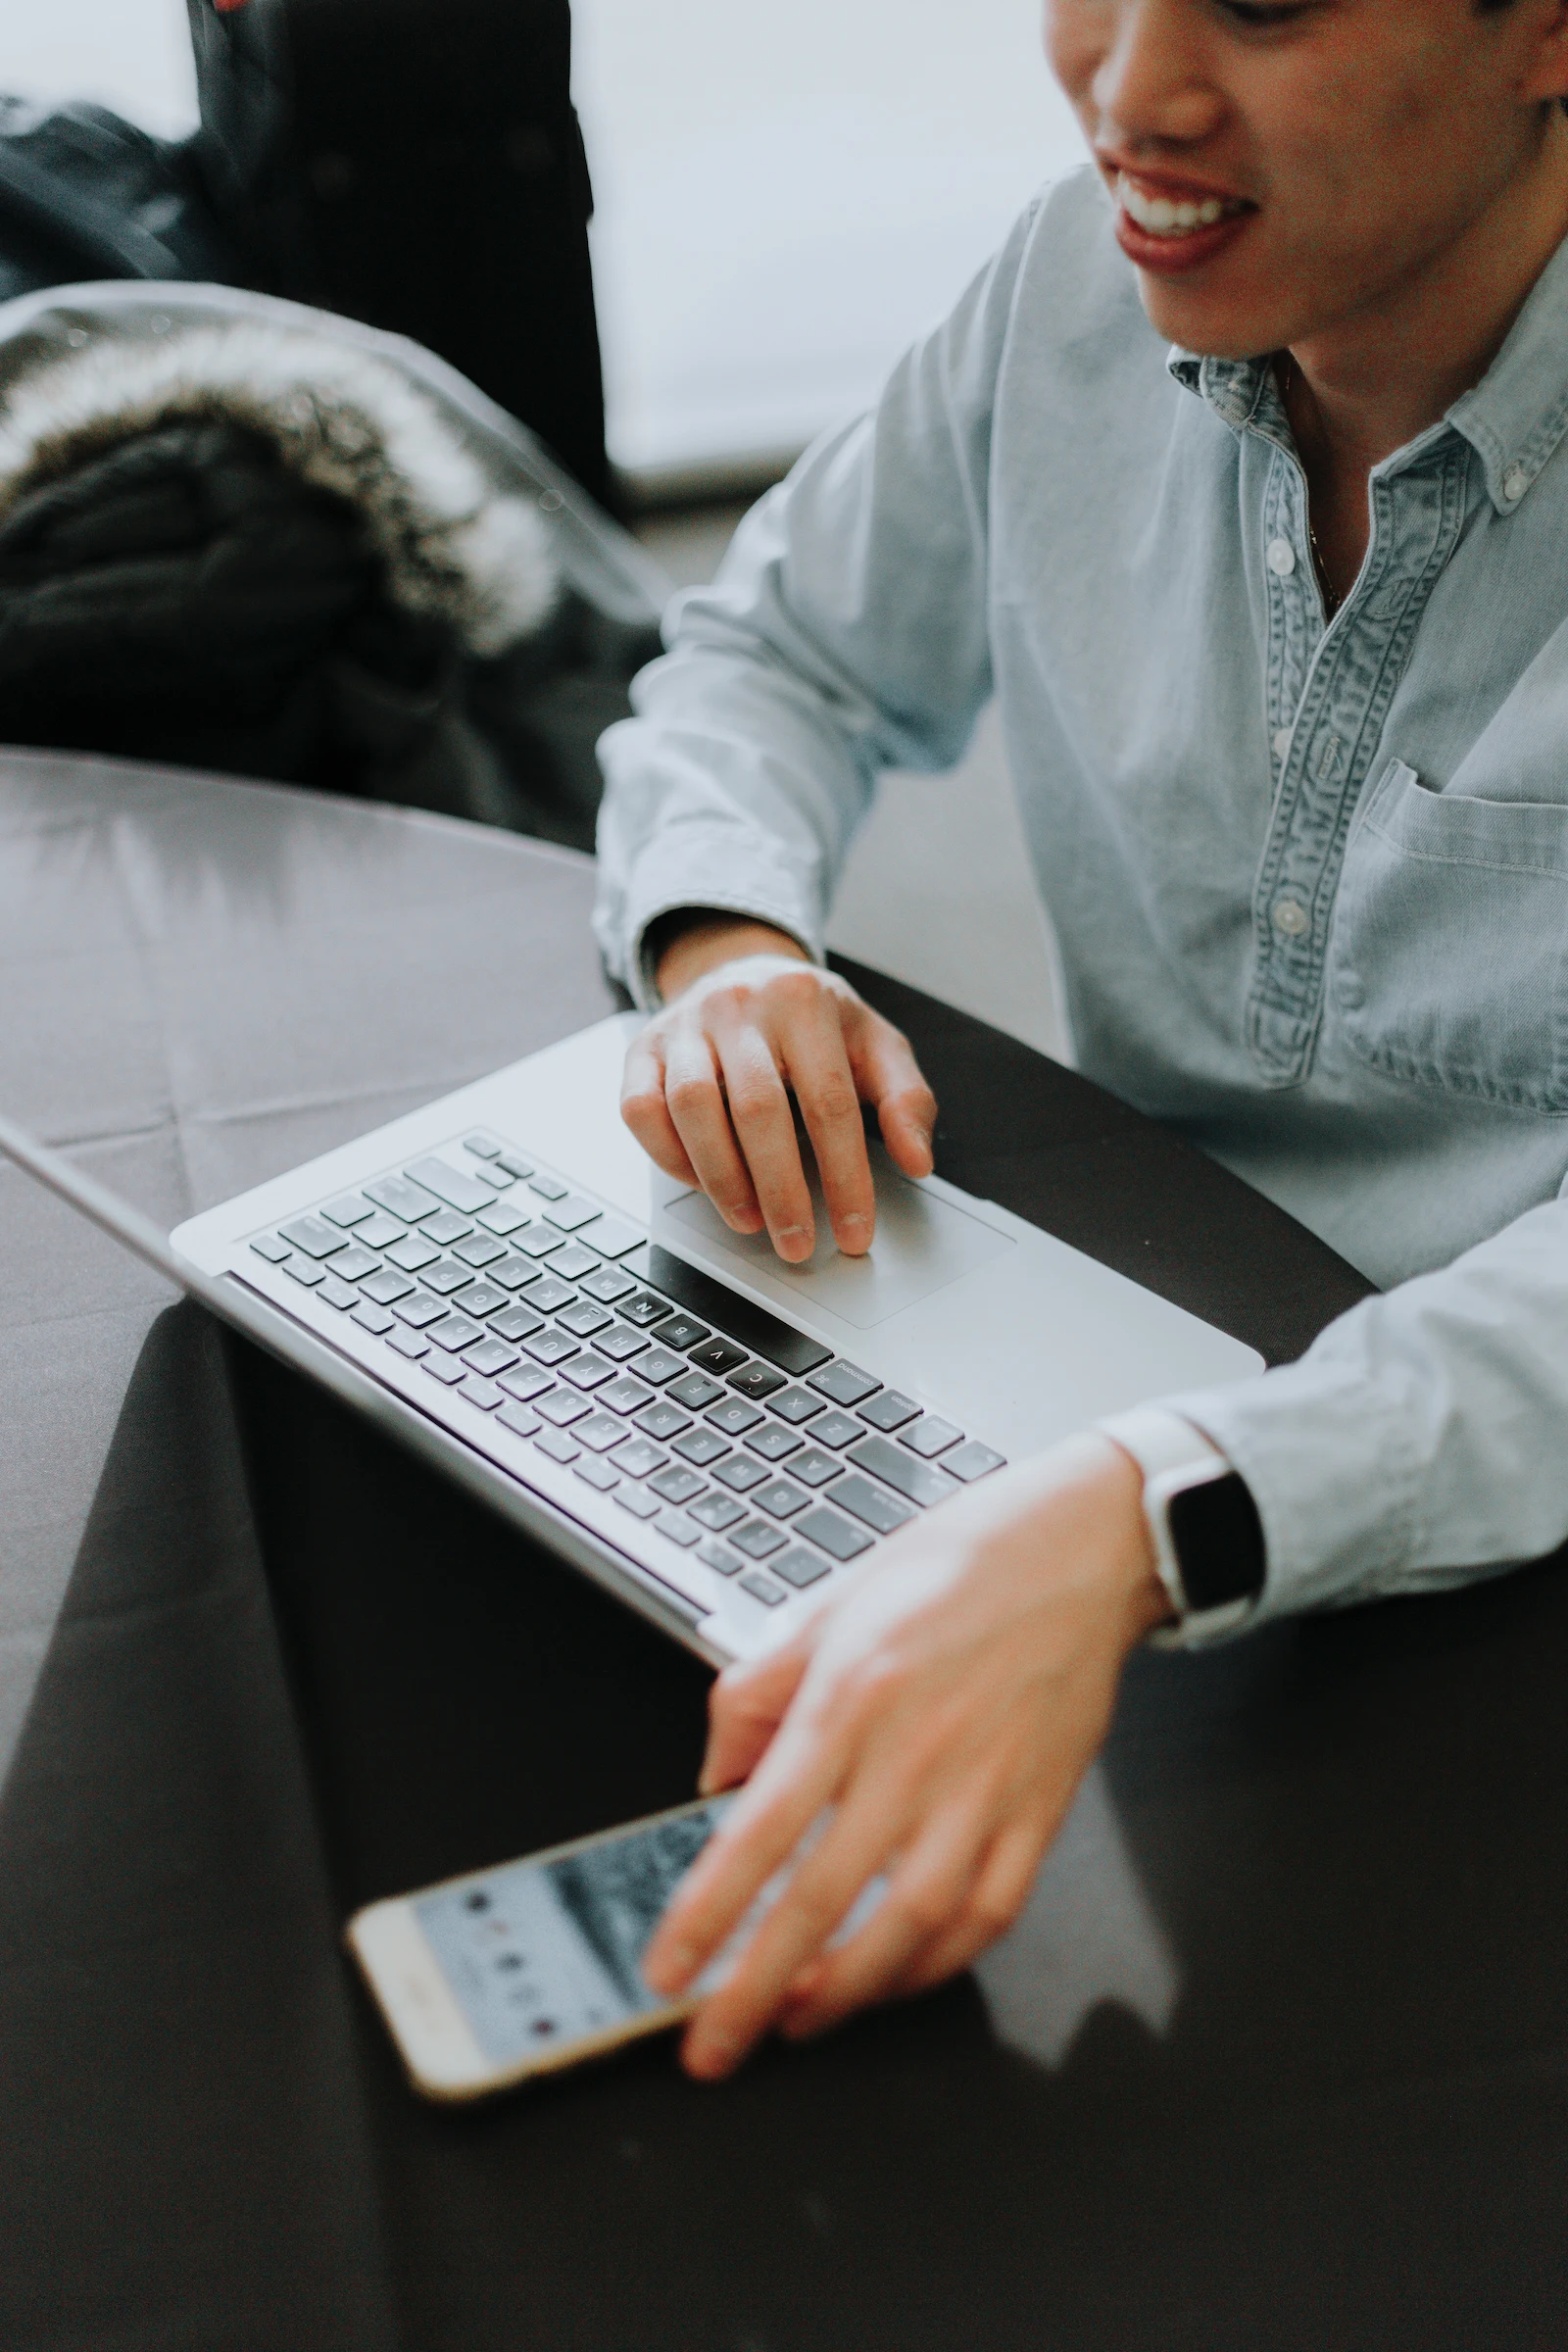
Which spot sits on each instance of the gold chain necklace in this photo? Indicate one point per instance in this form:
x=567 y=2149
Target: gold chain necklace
x=1326 y=588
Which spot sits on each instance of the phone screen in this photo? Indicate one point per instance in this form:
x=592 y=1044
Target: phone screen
x=543 y=1954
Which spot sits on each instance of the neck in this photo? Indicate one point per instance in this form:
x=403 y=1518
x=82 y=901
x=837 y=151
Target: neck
x=1371 y=382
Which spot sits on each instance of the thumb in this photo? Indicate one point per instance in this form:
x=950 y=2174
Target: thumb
x=746 y=1708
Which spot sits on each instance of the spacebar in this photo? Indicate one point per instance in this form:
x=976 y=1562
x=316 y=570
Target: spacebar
x=755 y=1328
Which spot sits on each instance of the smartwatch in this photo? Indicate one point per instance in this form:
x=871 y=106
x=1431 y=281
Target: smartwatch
x=1202 y=1522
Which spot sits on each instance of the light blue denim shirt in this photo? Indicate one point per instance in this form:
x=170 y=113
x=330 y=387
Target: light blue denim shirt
x=1310 y=883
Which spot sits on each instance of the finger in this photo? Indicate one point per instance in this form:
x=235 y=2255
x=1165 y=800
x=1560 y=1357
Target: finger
x=746 y=1708
x=931 y=1892
x=889 y=1077
x=822 y=1890
x=798 y=1778
x=646 y=1114
x=999 y=1894
x=765 y=1128
x=700 y=1118
x=817 y=1062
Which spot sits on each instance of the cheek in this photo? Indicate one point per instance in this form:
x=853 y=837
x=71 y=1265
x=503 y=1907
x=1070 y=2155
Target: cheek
x=1075 y=39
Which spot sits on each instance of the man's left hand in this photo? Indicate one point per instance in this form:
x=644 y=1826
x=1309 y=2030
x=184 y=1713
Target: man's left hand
x=942 y=1711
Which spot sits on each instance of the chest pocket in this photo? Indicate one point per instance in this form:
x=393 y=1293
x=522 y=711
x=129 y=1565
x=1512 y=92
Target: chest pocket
x=1450 y=954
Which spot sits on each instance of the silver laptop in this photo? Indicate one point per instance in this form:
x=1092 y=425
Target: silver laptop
x=504 y=1283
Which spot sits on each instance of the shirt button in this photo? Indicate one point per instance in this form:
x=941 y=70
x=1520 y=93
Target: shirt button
x=1515 y=482
x=1281 y=558
x=1282 y=742
x=1291 y=919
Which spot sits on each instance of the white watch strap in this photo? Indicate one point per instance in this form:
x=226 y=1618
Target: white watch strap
x=1172 y=1455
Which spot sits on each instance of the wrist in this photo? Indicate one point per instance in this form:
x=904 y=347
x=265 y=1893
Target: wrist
x=687 y=945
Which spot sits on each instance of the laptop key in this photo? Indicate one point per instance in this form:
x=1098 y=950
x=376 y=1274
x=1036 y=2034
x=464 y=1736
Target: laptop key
x=781 y=1498
x=353 y=1263
x=640 y=1505
x=405 y=1200
x=836 y=1429
x=620 y=1344
x=275 y=1251
x=795 y=1405
x=547 y=1188
x=702 y=1446
x=446 y=1228
x=562 y=1406
x=548 y=1294
x=890 y=1410
x=772 y=1442
x=756 y=1379
x=757 y=1539
x=845 y=1384
x=458 y=1192
x=600 y=1431
x=596 y=1474
x=814 y=1469
x=644 y=1309
x=718 y=1511
x=420 y=1310
x=551 y=1347
x=479 y=1298
x=638 y=1458
x=490 y=1356
x=572 y=1213
x=519 y=1419
x=372 y=1318
x=526 y=1384
x=839 y=1537
x=312 y=1236
x=610 y=1237
x=799 y=1567
x=441 y=1368
x=718 y=1355
x=930 y=1437
x=483 y=1147
x=681 y=1331
x=574 y=1261
x=560 y=1449
x=351 y=1210
x=305 y=1270
x=341 y=1295
x=762 y=1588
x=513 y=1166
x=505 y=1218
x=663 y=1421
x=694 y=1391
x=455 y=1333
x=740 y=1473
x=588 y=1371
x=719 y=1558
x=919 y=1482
x=973 y=1462
x=537 y=1241
x=380 y=1233
x=609 y=1285
x=480 y=1393
x=659 y=1365
x=677 y=1485
x=678 y=1528
x=414 y=1253
x=513 y=1273
x=874 y=1504
x=734 y=1416
x=446 y=1277
x=518 y=1323
x=480 y=1250
x=406 y=1343
x=626 y=1395
x=585 y=1318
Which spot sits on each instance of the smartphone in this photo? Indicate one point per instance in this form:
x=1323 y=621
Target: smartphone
x=520 y=1971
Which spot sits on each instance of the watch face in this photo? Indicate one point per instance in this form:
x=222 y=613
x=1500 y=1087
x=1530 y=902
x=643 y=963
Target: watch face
x=1217 y=1537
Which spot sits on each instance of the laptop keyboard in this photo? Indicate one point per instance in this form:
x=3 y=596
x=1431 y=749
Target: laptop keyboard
x=709 y=1421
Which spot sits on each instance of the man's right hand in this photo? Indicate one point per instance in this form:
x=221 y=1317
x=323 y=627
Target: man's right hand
x=748 y=1020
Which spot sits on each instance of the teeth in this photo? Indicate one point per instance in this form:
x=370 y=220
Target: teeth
x=1164 y=219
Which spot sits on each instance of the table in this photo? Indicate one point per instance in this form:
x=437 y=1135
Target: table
x=1276 y=2058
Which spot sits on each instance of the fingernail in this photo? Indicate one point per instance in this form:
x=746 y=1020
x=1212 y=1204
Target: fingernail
x=714 y=2057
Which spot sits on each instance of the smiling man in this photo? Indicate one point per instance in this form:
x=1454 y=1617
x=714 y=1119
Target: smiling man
x=1278 y=623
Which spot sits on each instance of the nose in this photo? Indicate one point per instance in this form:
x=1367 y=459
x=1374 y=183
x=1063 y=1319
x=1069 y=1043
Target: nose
x=1151 y=89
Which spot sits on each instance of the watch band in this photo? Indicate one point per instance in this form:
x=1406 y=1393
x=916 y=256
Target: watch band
x=1202 y=1523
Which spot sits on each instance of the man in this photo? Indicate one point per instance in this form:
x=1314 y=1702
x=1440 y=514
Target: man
x=1280 y=648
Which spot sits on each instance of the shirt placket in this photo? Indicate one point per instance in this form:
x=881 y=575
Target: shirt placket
x=1329 y=693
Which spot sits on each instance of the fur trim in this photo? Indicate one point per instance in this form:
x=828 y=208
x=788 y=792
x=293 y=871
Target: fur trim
x=341 y=421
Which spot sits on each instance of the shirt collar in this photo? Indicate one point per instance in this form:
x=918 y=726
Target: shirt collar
x=1513 y=419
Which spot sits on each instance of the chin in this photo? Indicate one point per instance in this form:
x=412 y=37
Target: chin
x=1209 y=325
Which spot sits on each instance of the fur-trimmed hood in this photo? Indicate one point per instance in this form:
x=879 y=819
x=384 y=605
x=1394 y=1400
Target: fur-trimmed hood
x=342 y=421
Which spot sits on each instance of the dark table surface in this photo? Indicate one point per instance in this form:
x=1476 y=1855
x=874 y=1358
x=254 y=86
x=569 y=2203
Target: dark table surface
x=1276 y=2058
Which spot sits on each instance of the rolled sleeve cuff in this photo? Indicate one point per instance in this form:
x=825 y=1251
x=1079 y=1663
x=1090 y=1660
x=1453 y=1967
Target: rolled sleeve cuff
x=752 y=884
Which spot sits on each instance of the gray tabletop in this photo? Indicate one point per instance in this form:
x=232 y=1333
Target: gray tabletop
x=1276 y=2055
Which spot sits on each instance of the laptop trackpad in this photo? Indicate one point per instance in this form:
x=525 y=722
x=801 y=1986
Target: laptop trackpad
x=922 y=1244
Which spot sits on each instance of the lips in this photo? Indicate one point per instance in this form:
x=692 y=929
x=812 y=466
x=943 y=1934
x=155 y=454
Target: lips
x=1169 y=228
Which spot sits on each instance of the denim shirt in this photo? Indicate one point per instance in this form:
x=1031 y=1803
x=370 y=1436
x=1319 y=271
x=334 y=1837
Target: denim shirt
x=1311 y=881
